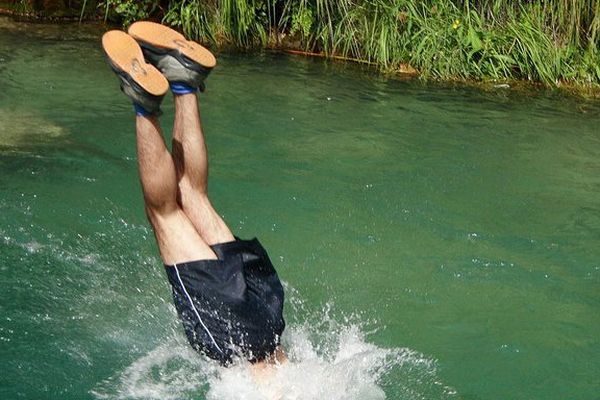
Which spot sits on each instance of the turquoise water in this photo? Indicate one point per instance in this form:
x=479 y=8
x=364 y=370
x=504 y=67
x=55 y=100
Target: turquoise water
x=436 y=242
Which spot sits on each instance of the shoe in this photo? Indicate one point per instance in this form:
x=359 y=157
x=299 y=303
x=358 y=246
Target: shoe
x=180 y=60
x=142 y=82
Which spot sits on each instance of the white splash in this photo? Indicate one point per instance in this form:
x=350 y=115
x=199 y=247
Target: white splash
x=328 y=360
x=168 y=372
x=352 y=371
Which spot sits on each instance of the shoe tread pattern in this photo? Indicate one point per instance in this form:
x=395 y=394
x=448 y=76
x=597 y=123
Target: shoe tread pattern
x=163 y=37
x=126 y=55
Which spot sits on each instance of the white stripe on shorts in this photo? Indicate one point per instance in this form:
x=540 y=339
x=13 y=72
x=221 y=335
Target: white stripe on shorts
x=195 y=310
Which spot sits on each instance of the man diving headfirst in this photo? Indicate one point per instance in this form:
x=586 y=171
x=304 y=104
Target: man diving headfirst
x=225 y=289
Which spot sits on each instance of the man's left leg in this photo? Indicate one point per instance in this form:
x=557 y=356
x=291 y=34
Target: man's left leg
x=191 y=163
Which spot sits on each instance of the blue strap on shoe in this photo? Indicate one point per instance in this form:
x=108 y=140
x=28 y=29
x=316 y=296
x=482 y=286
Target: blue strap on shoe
x=141 y=111
x=181 y=88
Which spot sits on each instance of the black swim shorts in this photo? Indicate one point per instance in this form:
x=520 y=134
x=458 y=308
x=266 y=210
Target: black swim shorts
x=232 y=306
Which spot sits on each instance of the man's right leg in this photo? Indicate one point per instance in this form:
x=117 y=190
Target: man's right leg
x=178 y=240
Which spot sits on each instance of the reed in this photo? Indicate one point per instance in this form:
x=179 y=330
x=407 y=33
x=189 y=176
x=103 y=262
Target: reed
x=552 y=42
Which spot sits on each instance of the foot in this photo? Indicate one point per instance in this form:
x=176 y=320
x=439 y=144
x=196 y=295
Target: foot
x=142 y=82
x=183 y=62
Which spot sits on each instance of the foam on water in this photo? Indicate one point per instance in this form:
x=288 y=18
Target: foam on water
x=328 y=360
x=351 y=371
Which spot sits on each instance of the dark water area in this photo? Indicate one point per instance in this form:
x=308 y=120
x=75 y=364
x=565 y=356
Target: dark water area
x=435 y=242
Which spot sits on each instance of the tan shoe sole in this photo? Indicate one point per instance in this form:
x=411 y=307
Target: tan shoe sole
x=126 y=55
x=163 y=37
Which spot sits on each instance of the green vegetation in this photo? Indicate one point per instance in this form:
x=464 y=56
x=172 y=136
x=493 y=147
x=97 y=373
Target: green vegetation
x=552 y=42
x=53 y=10
x=555 y=42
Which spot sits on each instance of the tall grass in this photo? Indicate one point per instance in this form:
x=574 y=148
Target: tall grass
x=550 y=41
x=243 y=23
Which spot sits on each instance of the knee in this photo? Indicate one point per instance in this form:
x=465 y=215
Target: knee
x=188 y=187
x=154 y=212
x=189 y=194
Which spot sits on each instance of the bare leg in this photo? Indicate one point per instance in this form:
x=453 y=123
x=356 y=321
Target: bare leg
x=191 y=162
x=177 y=239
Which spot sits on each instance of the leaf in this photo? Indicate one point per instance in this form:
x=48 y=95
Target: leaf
x=474 y=41
x=505 y=58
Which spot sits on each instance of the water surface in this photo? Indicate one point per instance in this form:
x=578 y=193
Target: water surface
x=436 y=242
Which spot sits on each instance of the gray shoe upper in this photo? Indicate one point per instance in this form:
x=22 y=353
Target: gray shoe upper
x=175 y=68
x=139 y=96
x=135 y=92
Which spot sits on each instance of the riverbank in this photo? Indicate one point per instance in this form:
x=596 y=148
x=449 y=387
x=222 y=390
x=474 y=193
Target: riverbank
x=483 y=43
